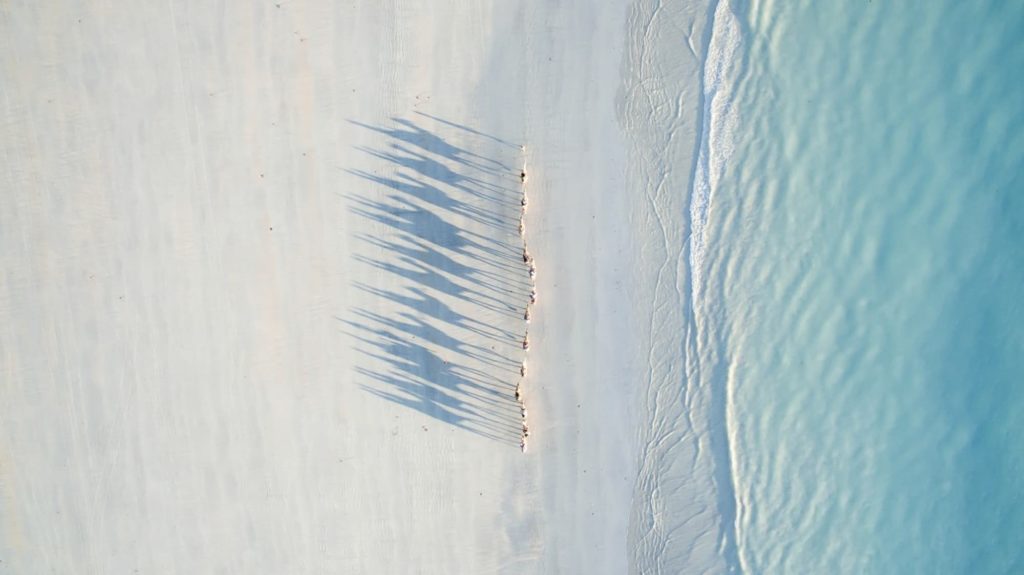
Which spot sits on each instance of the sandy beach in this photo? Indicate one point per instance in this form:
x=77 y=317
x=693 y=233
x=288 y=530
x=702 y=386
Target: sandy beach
x=263 y=293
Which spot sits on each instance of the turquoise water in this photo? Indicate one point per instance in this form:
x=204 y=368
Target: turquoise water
x=861 y=282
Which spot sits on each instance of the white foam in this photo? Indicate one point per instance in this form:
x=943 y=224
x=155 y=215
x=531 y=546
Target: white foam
x=717 y=144
x=717 y=133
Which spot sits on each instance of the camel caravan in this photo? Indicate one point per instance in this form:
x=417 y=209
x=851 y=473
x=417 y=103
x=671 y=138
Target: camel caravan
x=532 y=270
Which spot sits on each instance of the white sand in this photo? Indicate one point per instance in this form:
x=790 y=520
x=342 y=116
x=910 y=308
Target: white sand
x=261 y=289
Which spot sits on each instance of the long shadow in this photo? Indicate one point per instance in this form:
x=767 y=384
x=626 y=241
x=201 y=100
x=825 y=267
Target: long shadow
x=488 y=274
x=410 y=216
x=442 y=329
x=435 y=308
x=433 y=196
x=409 y=132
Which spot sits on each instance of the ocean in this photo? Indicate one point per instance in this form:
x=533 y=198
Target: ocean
x=856 y=261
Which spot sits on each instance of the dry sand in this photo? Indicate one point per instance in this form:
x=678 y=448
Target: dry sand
x=262 y=292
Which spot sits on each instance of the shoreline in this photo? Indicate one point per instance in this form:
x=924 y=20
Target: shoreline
x=679 y=519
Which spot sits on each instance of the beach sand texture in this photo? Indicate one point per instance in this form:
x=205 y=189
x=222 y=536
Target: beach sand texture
x=262 y=293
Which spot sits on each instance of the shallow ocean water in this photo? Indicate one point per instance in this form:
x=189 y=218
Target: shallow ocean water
x=860 y=286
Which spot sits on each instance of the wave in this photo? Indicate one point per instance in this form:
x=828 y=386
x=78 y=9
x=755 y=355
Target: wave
x=719 y=118
x=718 y=127
x=683 y=510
